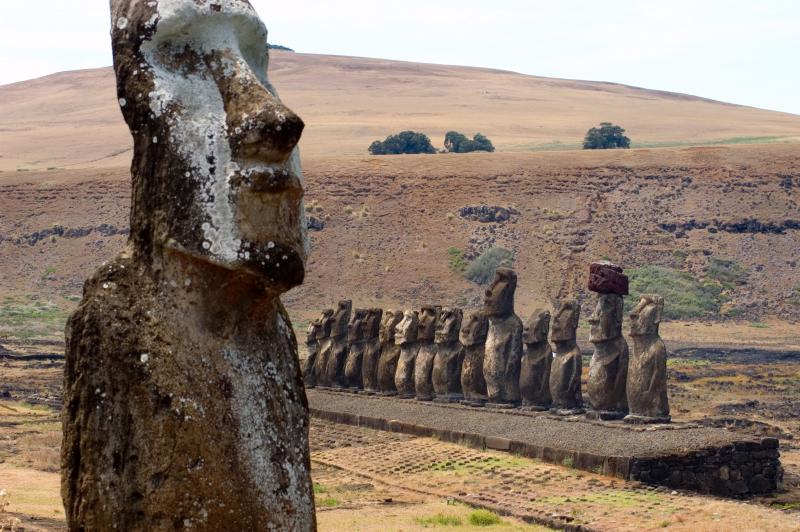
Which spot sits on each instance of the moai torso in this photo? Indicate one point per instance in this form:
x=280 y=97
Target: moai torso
x=372 y=350
x=183 y=398
x=325 y=347
x=647 y=370
x=334 y=372
x=390 y=352
x=501 y=362
x=405 y=336
x=608 y=369
x=449 y=358
x=567 y=364
x=312 y=351
x=356 y=346
x=423 y=364
x=473 y=338
x=534 y=375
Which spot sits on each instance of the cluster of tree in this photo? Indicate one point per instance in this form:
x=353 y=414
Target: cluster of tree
x=456 y=142
x=279 y=47
x=414 y=142
x=606 y=136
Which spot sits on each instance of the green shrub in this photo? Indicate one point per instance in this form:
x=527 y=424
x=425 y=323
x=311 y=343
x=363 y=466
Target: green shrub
x=484 y=518
x=456 y=142
x=726 y=271
x=439 y=520
x=482 y=269
x=457 y=262
x=607 y=136
x=684 y=296
x=403 y=142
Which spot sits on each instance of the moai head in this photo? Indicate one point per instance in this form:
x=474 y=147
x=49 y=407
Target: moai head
x=388 y=324
x=373 y=327
x=474 y=329
x=312 y=333
x=565 y=321
x=499 y=300
x=341 y=318
x=325 y=324
x=427 y=323
x=406 y=330
x=448 y=325
x=216 y=170
x=356 y=326
x=606 y=320
x=536 y=328
x=646 y=316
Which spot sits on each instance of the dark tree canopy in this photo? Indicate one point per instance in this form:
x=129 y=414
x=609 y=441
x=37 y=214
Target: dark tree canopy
x=403 y=142
x=606 y=136
x=456 y=142
x=279 y=47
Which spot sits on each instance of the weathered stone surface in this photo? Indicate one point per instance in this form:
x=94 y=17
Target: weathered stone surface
x=647 y=369
x=607 y=278
x=608 y=369
x=423 y=364
x=390 y=352
x=183 y=398
x=567 y=364
x=501 y=362
x=312 y=351
x=337 y=356
x=449 y=357
x=534 y=376
x=406 y=337
x=372 y=350
x=473 y=338
x=356 y=346
x=325 y=347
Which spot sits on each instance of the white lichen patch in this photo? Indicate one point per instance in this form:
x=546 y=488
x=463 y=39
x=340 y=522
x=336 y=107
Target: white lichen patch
x=122 y=23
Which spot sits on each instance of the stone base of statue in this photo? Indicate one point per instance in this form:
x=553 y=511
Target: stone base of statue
x=567 y=411
x=423 y=398
x=501 y=406
x=605 y=415
x=530 y=407
x=406 y=396
x=389 y=393
x=476 y=403
x=646 y=420
x=449 y=398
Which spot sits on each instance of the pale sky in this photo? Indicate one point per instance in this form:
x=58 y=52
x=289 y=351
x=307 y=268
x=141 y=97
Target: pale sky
x=745 y=52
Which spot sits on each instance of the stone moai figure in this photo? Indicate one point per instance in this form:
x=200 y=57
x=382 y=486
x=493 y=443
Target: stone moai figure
x=406 y=337
x=312 y=351
x=647 y=369
x=423 y=364
x=184 y=404
x=473 y=338
x=356 y=345
x=325 y=347
x=567 y=363
x=372 y=350
x=501 y=362
x=390 y=352
x=608 y=369
x=449 y=358
x=534 y=375
x=337 y=357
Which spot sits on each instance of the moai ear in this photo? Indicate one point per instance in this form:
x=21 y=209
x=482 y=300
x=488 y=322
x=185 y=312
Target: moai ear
x=658 y=301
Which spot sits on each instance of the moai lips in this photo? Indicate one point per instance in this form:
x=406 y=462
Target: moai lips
x=501 y=362
x=534 y=376
x=446 y=375
x=607 y=278
x=473 y=337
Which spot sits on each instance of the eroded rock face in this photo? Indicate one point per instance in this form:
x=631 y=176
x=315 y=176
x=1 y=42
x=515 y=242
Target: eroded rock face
x=473 y=338
x=608 y=369
x=390 y=352
x=337 y=357
x=372 y=350
x=423 y=364
x=567 y=364
x=405 y=336
x=534 y=375
x=356 y=340
x=501 y=362
x=312 y=351
x=446 y=375
x=647 y=370
x=183 y=397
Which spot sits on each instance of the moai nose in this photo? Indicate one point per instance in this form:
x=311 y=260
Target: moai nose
x=268 y=132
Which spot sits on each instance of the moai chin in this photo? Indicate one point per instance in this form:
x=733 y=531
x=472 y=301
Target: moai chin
x=647 y=369
x=183 y=399
x=356 y=346
x=534 y=375
x=325 y=347
x=312 y=351
x=446 y=375
x=334 y=370
x=473 y=338
x=567 y=363
x=423 y=364
x=372 y=350
x=390 y=352
x=501 y=362
x=608 y=369
x=406 y=337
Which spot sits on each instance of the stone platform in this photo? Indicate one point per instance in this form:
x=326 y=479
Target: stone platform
x=681 y=456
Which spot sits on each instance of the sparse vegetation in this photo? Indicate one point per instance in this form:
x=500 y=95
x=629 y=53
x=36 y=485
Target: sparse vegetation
x=439 y=520
x=28 y=318
x=484 y=518
x=606 y=136
x=403 y=142
x=455 y=142
x=726 y=271
x=684 y=296
x=482 y=269
x=568 y=462
x=456 y=259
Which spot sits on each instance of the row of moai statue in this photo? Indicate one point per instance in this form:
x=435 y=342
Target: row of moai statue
x=492 y=358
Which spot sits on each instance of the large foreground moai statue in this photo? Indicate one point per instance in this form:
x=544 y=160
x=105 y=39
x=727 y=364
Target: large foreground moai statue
x=501 y=362
x=406 y=337
x=608 y=369
x=324 y=348
x=447 y=364
x=337 y=356
x=390 y=352
x=356 y=345
x=183 y=398
x=534 y=375
x=567 y=364
x=473 y=338
x=647 y=370
x=423 y=364
x=312 y=352
x=372 y=350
